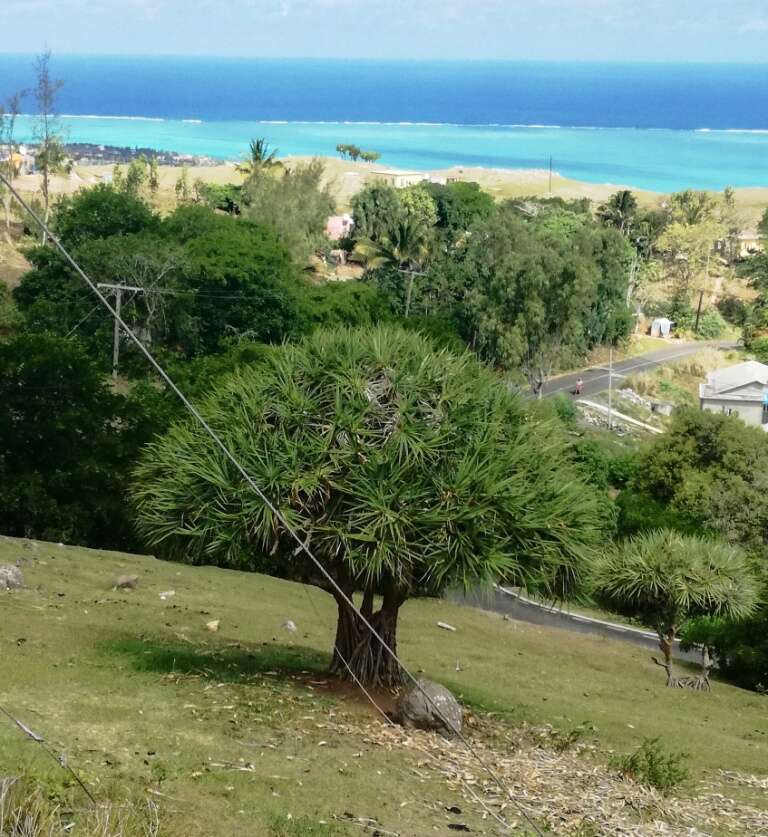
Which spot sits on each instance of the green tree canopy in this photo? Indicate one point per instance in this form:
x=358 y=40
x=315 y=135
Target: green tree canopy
x=460 y=205
x=542 y=290
x=239 y=277
x=101 y=211
x=402 y=250
x=294 y=204
x=205 y=278
x=691 y=207
x=419 y=205
x=403 y=468
x=66 y=445
x=619 y=211
x=375 y=208
x=712 y=470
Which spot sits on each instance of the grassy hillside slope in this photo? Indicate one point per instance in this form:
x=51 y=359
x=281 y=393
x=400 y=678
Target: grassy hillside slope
x=232 y=731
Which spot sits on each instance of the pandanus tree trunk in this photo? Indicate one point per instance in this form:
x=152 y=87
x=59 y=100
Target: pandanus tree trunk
x=666 y=644
x=700 y=683
x=358 y=653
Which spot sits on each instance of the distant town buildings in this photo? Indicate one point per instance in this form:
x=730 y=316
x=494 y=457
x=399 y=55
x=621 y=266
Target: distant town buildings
x=740 y=390
x=22 y=160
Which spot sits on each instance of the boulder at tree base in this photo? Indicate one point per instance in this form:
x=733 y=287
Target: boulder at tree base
x=428 y=705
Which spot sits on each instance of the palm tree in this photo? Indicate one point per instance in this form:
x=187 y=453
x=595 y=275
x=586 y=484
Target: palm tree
x=668 y=578
x=620 y=211
x=261 y=157
x=404 y=247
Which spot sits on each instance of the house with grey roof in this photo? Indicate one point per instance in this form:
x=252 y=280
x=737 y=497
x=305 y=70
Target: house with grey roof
x=740 y=390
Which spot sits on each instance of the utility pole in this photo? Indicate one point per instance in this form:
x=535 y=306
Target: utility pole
x=610 y=388
x=118 y=290
x=698 y=311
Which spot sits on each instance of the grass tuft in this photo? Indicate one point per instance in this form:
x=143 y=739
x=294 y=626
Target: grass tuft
x=27 y=810
x=653 y=766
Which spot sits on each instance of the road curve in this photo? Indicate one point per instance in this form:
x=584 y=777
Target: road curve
x=596 y=377
x=509 y=603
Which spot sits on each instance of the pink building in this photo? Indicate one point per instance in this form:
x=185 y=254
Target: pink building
x=339 y=226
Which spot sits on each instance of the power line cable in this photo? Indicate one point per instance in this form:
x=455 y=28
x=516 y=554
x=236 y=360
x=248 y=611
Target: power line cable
x=76 y=327
x=58 y=758
x=279 y=516
x=389 y=722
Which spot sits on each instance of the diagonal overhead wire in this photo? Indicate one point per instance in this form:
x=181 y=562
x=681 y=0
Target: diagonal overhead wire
x=301 y=545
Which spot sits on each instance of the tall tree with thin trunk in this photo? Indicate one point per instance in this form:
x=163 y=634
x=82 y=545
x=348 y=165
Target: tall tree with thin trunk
x=9 y=113
x=668 y=578
x=50 y=157
x=619 y=211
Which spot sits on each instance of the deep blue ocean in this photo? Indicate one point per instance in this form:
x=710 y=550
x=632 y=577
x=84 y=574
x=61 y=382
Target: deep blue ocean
x=655 y=126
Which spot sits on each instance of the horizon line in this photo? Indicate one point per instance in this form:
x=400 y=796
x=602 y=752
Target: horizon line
x=397 y=59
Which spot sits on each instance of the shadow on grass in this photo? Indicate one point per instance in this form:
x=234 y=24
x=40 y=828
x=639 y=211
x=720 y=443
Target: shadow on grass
x=231 y=664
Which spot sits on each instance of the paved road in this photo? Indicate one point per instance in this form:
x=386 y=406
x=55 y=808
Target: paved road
x=516 y=607
x=499 y=600
x=596 y=378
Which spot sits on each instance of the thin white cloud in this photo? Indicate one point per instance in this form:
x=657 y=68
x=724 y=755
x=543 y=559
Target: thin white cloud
x=756 y=25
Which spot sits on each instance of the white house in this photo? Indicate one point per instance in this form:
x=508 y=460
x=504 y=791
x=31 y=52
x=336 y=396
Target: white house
x=740 y=390
x=401 y=179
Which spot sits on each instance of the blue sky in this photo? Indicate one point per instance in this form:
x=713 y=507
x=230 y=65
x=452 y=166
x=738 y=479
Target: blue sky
x=661 y=30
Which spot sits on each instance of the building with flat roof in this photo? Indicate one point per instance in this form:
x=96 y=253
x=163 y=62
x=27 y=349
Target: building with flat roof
x=401 y=179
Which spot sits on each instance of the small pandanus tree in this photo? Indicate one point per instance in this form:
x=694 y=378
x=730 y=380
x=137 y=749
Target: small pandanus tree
x=402 y=468
x=668 y=578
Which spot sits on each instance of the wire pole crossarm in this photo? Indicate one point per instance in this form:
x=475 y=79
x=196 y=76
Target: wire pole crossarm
x=118 y=289
x=278 y=515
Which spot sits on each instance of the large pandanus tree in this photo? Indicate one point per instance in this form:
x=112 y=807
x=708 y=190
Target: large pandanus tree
x=668 y=578
x=404 y=469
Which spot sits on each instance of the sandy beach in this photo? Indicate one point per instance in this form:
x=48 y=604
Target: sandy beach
x=347 y=178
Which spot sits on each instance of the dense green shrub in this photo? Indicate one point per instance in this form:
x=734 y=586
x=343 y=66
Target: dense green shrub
x=741 y=647
x=651 y=765
x=206 y=278
x=711 y=325
x=759 y=348
x=638 y=512
x=343 y=304
x=734 y=310
x=710 y=469
x=66 y=444
x=100 y=212
x=605 y=467
x=564 y=409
